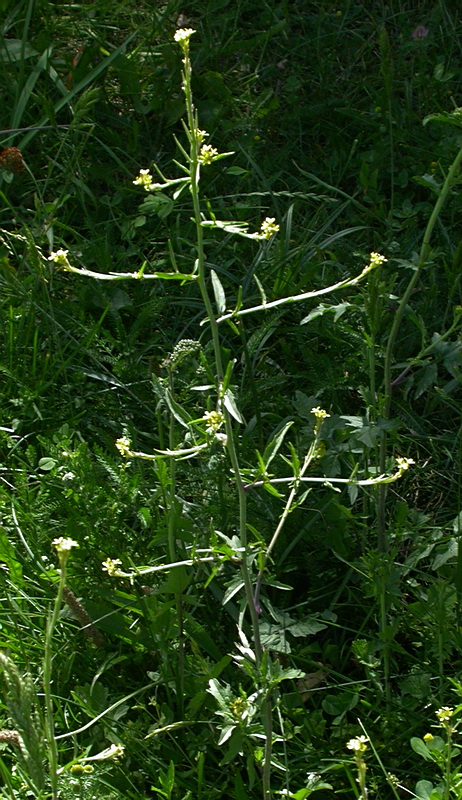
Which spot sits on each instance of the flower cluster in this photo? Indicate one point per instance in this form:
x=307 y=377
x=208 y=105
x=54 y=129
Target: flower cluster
x=144 y=179
x=64 y=546
x=60 y=259
x=444 y=714
x=214 y=420
x=112 y=567
x=124 y=446
x=207 y=154
x=419 y=33
x=376 y=259
x=268 y=228
x=201 y=135
x=319 y=413
x=404 y=463
x=11 y=159
x=182 y=36
x=359 y=744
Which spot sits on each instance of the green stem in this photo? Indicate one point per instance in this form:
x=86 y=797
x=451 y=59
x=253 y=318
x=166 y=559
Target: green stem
x=268 y=722
x=172 y=552
x=448 y=765
x=231 y=446
x=200 y=266
x=424 y=252
x=382 y=539
x=52 y=748
x=287 y=508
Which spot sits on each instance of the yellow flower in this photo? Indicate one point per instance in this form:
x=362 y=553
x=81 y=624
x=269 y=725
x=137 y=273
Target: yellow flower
x=268 y=228
x=428 y=737
x=111 y=566
x=207 y=154
x=214 y=420
x=404 y=463
x=376 y=260
x=124 y=446
x=319 y=413
x=201 y=135
x=144 y=179
x=444 y=714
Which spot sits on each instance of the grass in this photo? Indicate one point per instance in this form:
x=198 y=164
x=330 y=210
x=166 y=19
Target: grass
x=197 y=694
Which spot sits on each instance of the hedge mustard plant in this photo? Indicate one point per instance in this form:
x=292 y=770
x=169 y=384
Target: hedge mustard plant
x=221 y=422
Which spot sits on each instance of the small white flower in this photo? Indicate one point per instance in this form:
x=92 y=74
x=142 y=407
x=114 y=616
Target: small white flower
x=319 y=413
x=60 y=258
x=111 y=566
x=444 y=714
x=404 y=463
x=64 y=545
x=68 y=476
x=183 y=35
x=359 y=744
x=376 y=259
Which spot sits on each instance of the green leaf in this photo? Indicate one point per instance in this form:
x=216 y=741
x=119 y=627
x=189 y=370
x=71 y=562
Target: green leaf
x=273 y=446
x=304 y=405
x=226 y=732
x=419 y=747
x=46 y=464
x=219 y=292
x=337 y=310
x=177 y=581
x=158 y=203
x=237 y=171
x=289 y=674
x=307 y=628
x=234 y=587
x=451 y=118
x=423 y=790
x=230 y=404
x=180 y=414
x=260 y=289
x=450 y=552
x=273 y=637
x=338 y=705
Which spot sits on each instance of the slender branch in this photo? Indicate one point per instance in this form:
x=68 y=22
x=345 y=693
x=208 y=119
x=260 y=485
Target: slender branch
x=122 y=276
x=327 y=481
x=297 y=298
